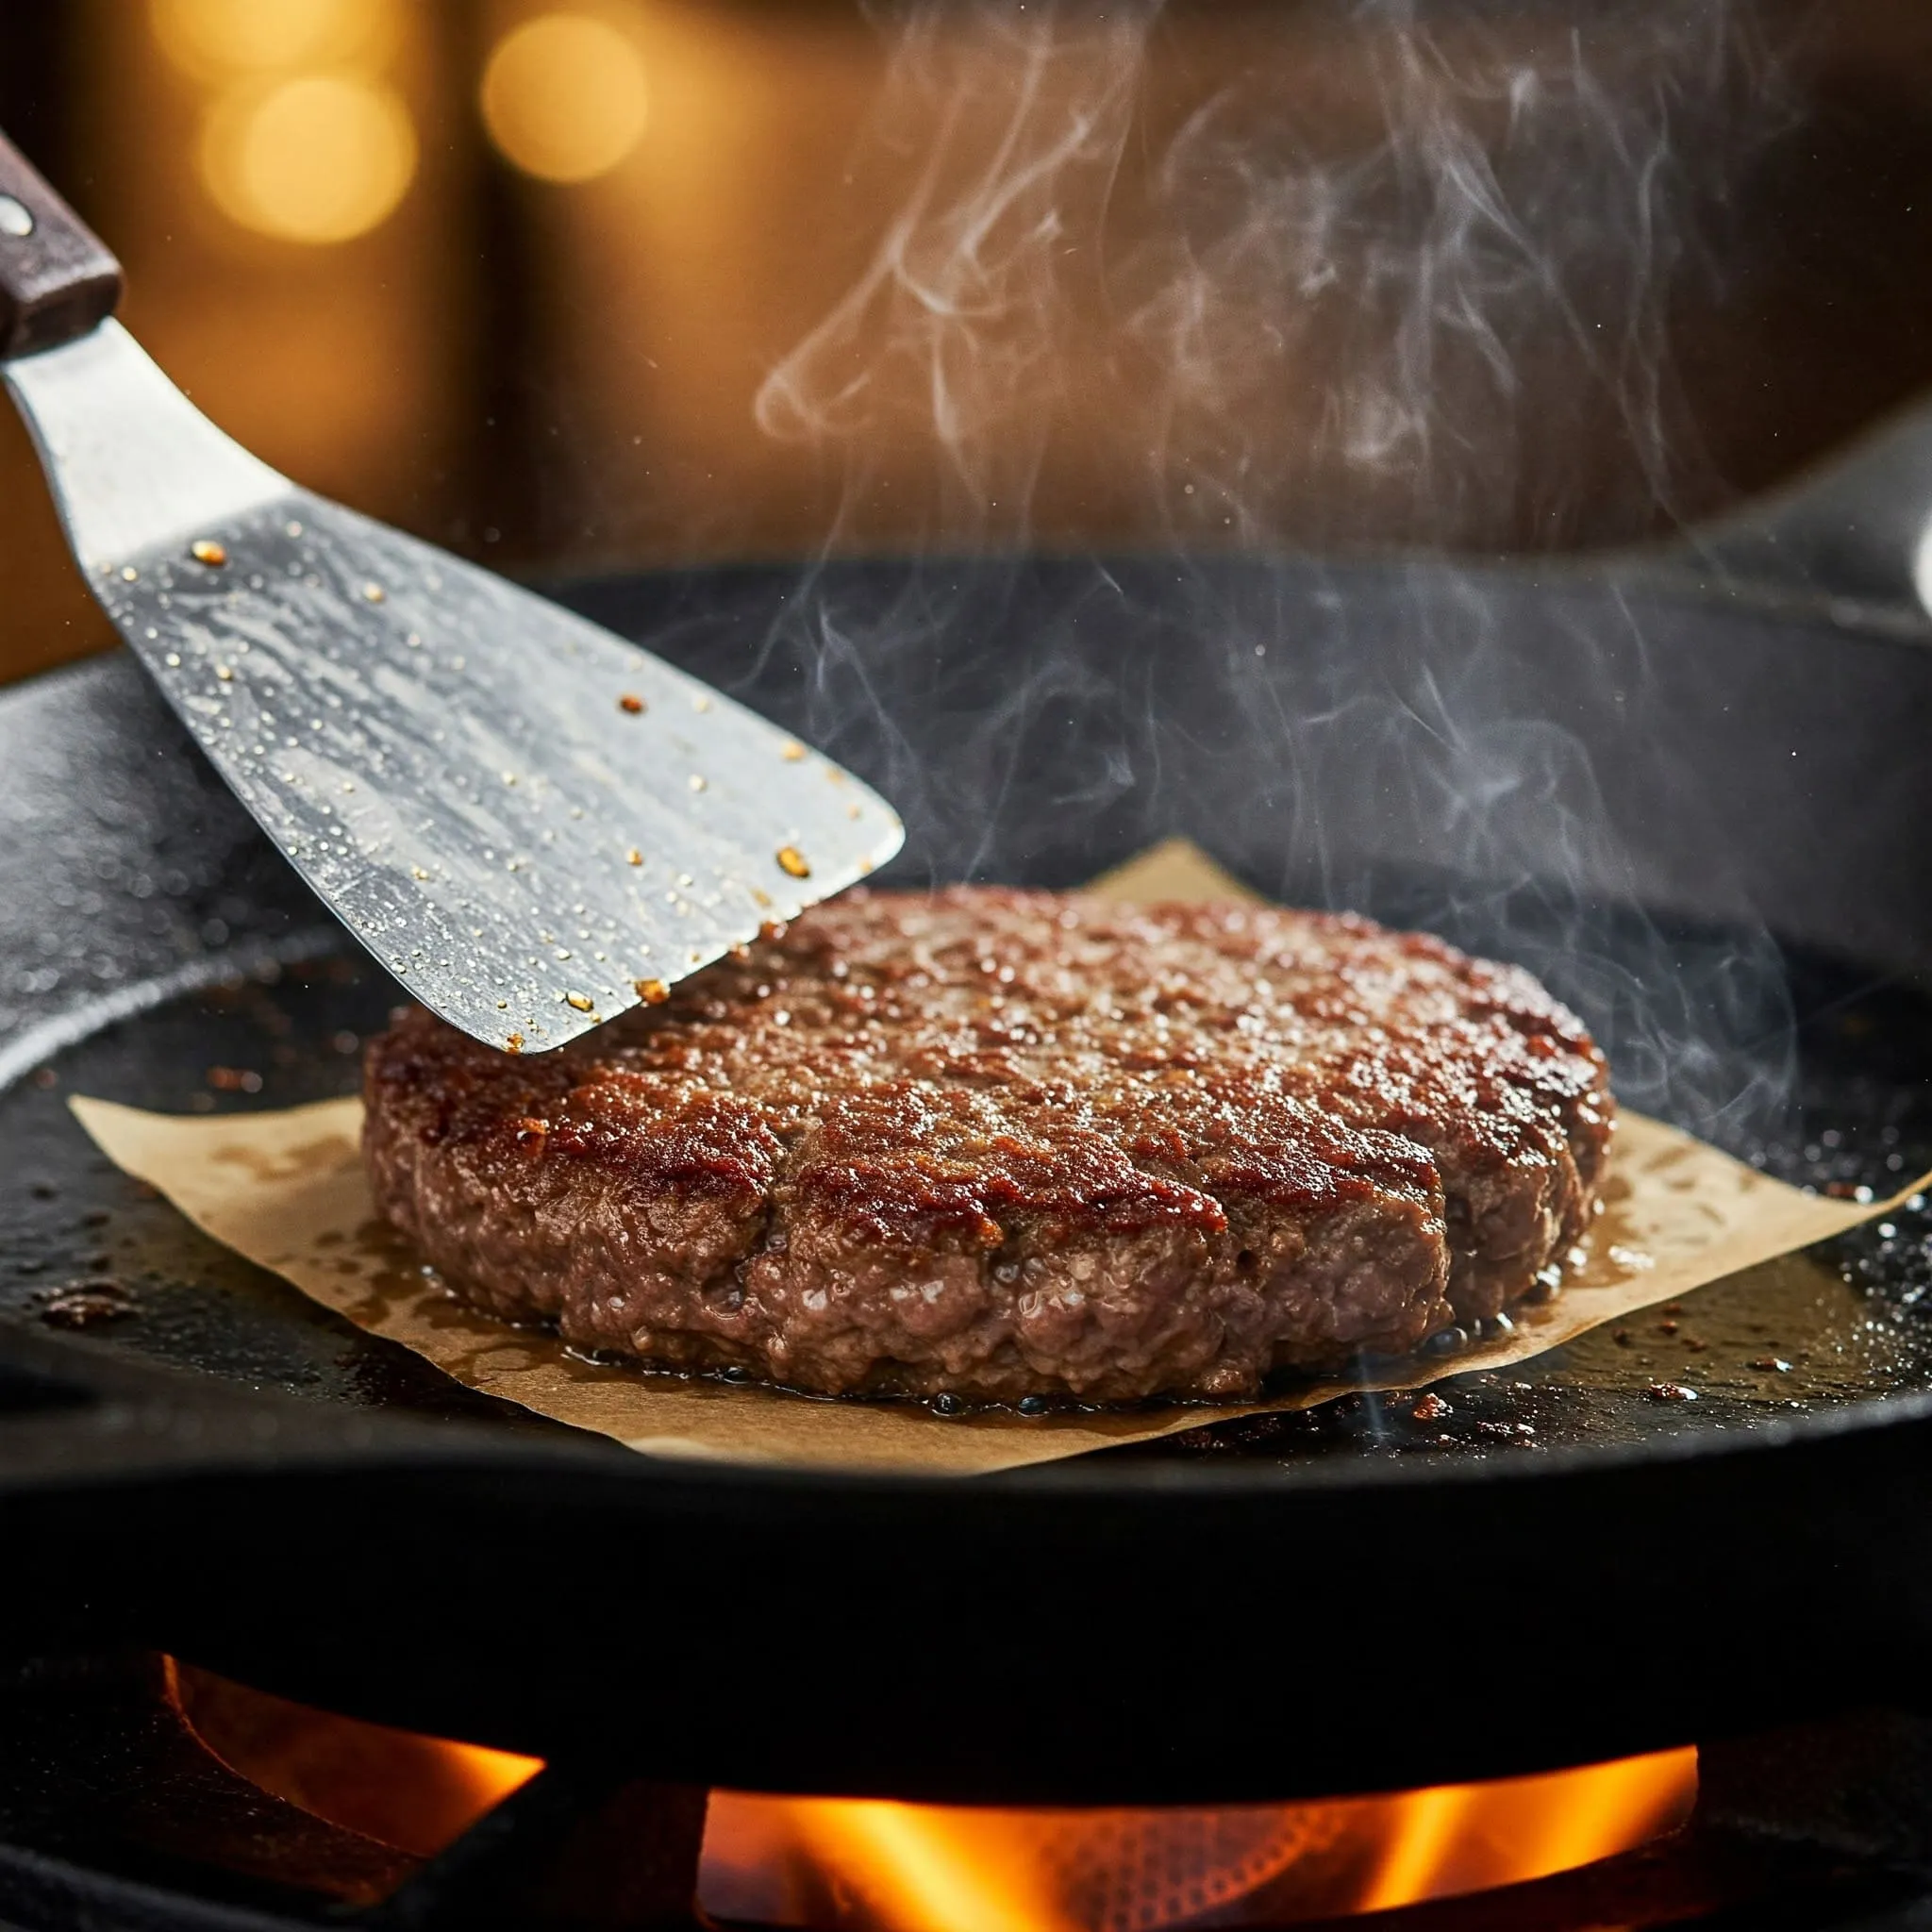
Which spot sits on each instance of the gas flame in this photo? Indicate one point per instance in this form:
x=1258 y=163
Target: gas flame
x=917 y=1868
x=416 y=1793
x=1467 y=1838
x=839 y=1864
x=912 y=1867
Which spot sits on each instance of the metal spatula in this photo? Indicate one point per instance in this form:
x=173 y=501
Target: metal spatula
x=531 y=822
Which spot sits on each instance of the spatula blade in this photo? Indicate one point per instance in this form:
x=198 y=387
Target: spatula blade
x=531 y=822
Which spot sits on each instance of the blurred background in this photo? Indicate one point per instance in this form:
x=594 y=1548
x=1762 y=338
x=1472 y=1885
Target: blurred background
x=611 y=283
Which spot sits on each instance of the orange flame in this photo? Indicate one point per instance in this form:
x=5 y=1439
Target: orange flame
x=416 y=1793
x=912 y=1867
x=921 y=1869
x=838 y=1863
x=1467 y=1838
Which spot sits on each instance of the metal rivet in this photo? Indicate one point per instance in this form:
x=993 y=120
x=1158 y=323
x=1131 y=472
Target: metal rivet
x=15 y=218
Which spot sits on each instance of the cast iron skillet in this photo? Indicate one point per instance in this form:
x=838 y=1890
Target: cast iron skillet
x=1695 y=791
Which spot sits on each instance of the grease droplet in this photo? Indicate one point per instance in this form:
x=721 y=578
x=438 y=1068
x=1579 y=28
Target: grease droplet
x=631 y=702
x=206 y=550
x=792 y=860
x=87 y=1304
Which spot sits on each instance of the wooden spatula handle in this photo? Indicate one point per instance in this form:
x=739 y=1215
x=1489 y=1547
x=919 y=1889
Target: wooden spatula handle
x=57 y=278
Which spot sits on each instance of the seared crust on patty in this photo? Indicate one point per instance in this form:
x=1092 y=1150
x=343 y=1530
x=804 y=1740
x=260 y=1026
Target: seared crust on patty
x=1012 y=1144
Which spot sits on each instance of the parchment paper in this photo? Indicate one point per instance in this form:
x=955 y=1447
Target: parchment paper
x=286 y=1190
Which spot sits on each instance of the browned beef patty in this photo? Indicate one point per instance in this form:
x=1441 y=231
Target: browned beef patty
x=1010 y=1143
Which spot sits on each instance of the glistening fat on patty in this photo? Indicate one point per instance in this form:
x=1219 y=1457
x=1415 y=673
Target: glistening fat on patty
x=1005 y=1143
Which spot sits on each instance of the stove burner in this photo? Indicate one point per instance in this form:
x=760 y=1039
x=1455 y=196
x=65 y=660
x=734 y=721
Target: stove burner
x=136 y=1794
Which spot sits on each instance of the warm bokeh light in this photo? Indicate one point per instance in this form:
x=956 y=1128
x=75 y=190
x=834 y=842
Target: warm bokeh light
x=565 y=96
x=218 y=39
x=321 y=158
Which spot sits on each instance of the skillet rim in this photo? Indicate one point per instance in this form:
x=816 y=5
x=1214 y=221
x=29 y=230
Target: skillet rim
x=1667 y=577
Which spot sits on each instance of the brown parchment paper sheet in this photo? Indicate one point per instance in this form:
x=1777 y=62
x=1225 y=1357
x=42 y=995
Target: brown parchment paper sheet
x=286 y=1190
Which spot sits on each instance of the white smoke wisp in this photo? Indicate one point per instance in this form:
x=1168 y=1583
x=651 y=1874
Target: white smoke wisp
x=1479 y=252
x=1378 y=268
x=1171 y=291
x=1011 y=124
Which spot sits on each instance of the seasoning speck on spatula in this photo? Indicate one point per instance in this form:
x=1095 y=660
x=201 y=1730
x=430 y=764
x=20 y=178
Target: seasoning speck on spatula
x=1010 y=1144
x=523 y=818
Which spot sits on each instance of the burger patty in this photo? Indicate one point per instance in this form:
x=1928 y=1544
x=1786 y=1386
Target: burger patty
x=1010 y=1143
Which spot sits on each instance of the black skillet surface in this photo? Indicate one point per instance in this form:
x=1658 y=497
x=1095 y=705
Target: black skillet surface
x=1343 y=1602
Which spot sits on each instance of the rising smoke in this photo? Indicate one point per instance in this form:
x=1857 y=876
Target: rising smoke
x=1241 y=277
x=1391 y=269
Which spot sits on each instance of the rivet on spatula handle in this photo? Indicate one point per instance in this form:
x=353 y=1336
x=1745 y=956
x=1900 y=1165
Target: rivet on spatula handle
x=57 y=278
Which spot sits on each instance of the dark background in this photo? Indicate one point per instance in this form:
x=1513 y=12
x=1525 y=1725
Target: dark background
x=1483 y=276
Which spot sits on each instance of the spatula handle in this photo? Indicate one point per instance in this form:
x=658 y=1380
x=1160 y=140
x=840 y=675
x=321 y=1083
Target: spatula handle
x=57 y=278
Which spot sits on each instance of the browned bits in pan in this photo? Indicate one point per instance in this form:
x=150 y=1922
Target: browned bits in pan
x=633 y=856
x=792 y=860
x=234 y=1079
x=206 y=550
x=1671 y=1392
x=654 y=993
x=792 y=751
x=631 y=704
x=514 y=1044
x=1431 y=1408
